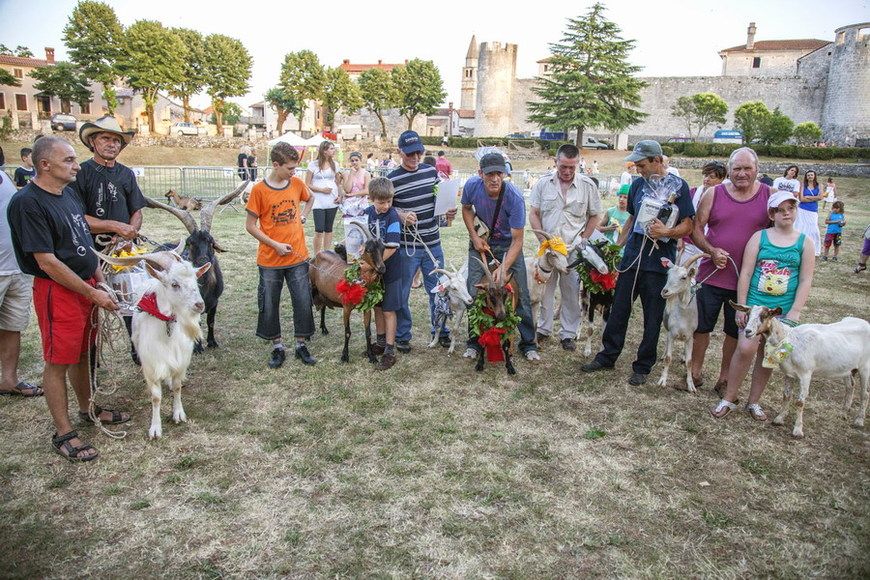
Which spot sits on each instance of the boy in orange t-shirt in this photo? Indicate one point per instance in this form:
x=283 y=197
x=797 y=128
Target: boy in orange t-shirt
x=275 y=219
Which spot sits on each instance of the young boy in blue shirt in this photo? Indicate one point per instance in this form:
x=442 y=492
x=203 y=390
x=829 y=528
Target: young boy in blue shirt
x=382 y=213
x=834 y=234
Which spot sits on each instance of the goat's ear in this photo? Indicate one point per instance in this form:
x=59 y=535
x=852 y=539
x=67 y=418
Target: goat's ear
x=739 y=307
x=692 y=271
x=480 y=286
x=667 y=263
x=774 y=312
x=217 y=247
x=203 y=269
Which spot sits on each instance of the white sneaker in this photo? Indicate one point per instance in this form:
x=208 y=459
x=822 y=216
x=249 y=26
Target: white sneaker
x=469 y=353
x=532 y=355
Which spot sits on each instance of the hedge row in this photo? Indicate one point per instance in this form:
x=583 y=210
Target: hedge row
x=785 y=151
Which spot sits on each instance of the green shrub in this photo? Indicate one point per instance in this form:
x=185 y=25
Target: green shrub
x=433 y=141
x=668 y=150
x=696 y=150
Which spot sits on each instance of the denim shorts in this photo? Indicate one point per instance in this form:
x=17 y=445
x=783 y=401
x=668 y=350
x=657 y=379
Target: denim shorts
x=323 y=219
x=392 y=301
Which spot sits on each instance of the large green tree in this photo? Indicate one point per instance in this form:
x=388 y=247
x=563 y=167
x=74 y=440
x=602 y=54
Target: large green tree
x=94 y=37
x=64 y=80
x=807 y=134
x=751 y=118
x=339 y=92
x=699 y=111
x=283 y=104
x=152 y=60
x=232 y=113
x=419 y=88
x=378 y=94
x=302 y=78
x=227 y=71
x=23 y=52
x=193 y=80
x=590 y=83
x=778 y=128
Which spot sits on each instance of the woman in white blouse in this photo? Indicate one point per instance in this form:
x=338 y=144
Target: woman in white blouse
x=324 y=182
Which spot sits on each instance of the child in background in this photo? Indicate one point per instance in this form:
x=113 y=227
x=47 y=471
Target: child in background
x=777 y=271
x=616 y=216
x=865 y=252
x=382 y=213
x=830 y=193
x=26 y=173
x=834 y=234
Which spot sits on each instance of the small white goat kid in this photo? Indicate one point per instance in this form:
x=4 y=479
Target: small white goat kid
x=539 y=269
x=166 y=326
x=831 y=350
x=452 y=289
x=681 y=313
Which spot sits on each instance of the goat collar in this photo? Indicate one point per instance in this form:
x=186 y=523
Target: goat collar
x=148 y=305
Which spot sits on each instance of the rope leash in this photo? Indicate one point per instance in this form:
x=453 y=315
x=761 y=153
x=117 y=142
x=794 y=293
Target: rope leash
x=109 y=325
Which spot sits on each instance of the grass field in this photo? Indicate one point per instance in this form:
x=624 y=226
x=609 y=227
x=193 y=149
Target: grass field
x=432 y=469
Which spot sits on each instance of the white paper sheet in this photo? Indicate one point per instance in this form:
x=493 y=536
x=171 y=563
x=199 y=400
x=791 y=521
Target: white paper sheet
x=446 y=198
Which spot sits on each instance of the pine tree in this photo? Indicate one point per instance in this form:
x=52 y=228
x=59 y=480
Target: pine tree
x=591 y=83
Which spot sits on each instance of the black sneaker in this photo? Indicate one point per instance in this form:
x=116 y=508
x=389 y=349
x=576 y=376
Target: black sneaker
x=305 y=356
x=444 y=341
x=568 y=344
x=277 y=358
x=637 y=379
x=403 y=346
x=594 y=366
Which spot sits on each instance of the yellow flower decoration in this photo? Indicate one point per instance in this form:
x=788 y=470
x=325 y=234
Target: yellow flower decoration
x=124 y=253
x=556 y=244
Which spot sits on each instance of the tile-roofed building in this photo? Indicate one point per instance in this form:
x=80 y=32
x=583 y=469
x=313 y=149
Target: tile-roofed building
x=767 y=58
x=354 y=70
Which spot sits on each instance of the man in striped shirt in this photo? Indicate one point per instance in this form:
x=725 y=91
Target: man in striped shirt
x=414 y=183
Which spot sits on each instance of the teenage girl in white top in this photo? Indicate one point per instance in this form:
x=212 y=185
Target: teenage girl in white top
x=324 y=182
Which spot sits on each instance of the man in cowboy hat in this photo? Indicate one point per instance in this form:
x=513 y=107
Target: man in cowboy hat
x=112 y=198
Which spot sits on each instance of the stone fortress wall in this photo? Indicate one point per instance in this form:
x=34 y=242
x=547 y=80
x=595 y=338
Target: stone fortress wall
x=829 y=88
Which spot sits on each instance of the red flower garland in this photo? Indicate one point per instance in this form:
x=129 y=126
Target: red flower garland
x=352 y=294
x=606 y=281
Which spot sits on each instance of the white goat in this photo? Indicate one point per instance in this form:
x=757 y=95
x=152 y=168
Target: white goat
x=539 y=269
x=831 y=350
x=164 y=332
x=681 y=313
x=452 y=286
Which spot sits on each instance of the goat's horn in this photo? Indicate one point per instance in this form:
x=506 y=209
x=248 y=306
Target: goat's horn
x=365 y=231
x=207 y=211
x=441 y=271
x=543 y=233
x=694 y=259
x=181 y=214
x=485 y=268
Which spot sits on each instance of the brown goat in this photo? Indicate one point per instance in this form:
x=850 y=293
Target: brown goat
x=495 y=295
x=184 y=202
x=328 y=268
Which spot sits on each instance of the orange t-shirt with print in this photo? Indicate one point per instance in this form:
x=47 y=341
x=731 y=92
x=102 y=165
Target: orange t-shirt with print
x=280 y=216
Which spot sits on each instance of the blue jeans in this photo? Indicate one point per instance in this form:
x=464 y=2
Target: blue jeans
x=269 y=301
x=419 y=259
x=524 y=305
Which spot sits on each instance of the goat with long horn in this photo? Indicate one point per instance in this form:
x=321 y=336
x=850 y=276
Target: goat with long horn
x=200 y=248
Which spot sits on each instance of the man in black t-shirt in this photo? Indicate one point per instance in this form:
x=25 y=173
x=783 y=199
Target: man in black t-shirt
x=52 y=242
x=112 y=198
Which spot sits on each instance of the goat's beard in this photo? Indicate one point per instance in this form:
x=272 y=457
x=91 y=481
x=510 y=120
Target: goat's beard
x=190 y=327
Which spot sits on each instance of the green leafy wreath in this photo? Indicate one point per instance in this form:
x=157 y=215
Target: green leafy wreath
x=374 y=294
x=596 y=282
x=480 y=321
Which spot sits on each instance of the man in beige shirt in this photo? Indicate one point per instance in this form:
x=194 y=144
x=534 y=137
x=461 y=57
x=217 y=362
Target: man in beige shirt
x=565 y=203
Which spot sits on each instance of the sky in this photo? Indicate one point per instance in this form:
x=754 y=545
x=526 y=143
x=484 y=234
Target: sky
x=673 y=38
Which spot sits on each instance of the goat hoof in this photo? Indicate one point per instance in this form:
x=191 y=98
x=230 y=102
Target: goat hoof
x=511 y=370
x=324 y=332
x=859 y=422
x=197 y=347
x=797 y=434
x=212 y=344
x=345 y=359
x=179 y=417
x=155 y=433
x=778 y=421
x=662 y=382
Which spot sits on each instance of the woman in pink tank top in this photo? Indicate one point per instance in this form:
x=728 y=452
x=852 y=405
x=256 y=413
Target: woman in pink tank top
x=356 y=188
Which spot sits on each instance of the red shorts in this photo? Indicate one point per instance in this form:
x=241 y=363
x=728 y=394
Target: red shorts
x=65 y=321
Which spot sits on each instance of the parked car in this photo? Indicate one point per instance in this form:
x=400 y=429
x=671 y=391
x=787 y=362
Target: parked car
x=63 y=122
x=517 y=136
x=593 y=143
x=182 y=128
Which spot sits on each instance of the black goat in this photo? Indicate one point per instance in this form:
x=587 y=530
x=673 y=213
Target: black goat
x=199 y=248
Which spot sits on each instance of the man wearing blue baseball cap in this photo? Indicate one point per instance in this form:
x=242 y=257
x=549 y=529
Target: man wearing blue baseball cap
x=648 y=243
x=414 y=200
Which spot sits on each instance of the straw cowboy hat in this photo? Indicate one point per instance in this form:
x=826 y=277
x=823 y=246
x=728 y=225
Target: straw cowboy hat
x=107 y=124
